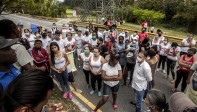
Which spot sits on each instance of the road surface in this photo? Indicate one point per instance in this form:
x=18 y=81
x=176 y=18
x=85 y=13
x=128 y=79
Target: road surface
x=125 y=94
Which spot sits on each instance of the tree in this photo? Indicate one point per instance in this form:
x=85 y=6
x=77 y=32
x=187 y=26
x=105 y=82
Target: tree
x=6 y=4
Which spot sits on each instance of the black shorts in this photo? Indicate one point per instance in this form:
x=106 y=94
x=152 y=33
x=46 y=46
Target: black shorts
x=107 y=89
x=71 y=77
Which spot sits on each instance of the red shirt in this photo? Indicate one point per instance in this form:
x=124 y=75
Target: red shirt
x=187 y=62
x=41 y=57
x=142 y=36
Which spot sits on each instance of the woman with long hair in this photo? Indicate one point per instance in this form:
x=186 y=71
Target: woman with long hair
x=85 y=56
x=95 y=64
x=111 y=74
x=59 y=62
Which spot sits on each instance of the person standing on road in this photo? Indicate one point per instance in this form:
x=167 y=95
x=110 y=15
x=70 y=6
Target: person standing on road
x=95 y=64
x=111 y=74
x=53 y=29
x=120 y=49
x=59 y=41
x=187 y=43
x=162 y=54
x=59 y=62
x=185 y=63
x=69 y=42
x=141 y=76
x=41 y=57
x=85 y=56
x=172 y=59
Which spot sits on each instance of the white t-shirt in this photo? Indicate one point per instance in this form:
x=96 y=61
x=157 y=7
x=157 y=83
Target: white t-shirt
x=162 y=38
x=184 y=41
x=78 y=41
x=174 y=58
x=68 y=43
x=111 y=71
x=31 y=40
x=163 y=48
x=106 y=34
x=93 y=42
x=136 y=37
x=86 y=60
x=69 y=68
x=45 y=42
x=100 y=34
x=23 y=57
x=87 y=39
x=60 y=44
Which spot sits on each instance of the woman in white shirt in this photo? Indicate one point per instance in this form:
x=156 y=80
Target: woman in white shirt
x=95 y=64
x=59 y=62
x=70 y=44
x=162 y=54
x=111 y=74
x=172 y=59
x=156 y=42
x=93 y=40
x=85 y=56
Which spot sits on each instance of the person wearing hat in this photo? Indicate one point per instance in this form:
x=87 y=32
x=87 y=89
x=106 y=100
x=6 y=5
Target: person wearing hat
x=10 y=31
x=7 y=71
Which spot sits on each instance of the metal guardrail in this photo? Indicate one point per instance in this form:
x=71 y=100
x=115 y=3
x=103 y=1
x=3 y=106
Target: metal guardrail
x=170 y=38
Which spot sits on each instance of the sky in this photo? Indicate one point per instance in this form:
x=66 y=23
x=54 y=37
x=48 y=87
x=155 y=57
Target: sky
x=61 y=0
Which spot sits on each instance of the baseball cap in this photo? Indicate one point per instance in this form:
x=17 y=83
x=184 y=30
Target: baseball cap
x=6 y=43
x=20 y=23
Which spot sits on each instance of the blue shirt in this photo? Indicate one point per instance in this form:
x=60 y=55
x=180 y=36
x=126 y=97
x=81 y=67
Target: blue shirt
x=7 y=77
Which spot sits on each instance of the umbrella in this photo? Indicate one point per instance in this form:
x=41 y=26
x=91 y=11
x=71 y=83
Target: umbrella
x=34 y=28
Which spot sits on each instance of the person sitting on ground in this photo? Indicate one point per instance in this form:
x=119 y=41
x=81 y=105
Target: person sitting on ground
x=8 y=56
x=156 y=101
x=41 y=57
x=18 y=97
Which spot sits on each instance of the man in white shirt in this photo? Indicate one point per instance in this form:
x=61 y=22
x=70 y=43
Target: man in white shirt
x=59 y=41
x=53 y=29
x=187 y=43
x=45 y=41
x=141 y=76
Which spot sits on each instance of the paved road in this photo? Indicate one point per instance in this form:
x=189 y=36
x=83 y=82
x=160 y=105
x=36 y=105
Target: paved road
x=125 y=94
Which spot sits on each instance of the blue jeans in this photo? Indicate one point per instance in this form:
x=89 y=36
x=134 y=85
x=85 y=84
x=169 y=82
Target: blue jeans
x=63 y=80
x=139 y=96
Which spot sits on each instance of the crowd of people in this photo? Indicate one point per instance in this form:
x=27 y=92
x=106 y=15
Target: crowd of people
x=30 y=60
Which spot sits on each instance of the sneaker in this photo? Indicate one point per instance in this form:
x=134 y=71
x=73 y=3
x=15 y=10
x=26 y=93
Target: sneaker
x=92 y=92
x=157 y=69
x=65 y=95
x=79 y=91
x=99 y=94
x=164 y=71
x=128 y=78
x=70 y=95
